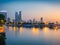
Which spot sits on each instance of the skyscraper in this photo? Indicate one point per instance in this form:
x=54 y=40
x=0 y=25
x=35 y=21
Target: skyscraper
x=4 y=13
x=41 y=20
x=34 y=20
x=8 y=19
x=19 y=16
x=16 y=16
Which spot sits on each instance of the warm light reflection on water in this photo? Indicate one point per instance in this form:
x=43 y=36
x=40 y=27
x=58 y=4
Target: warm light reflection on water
x=21 y=29
x=46 y=29
x=15 y=28
x=10 y=28
x=21 y=35
x=35 y=31
x=56 y=29
x=52 y=34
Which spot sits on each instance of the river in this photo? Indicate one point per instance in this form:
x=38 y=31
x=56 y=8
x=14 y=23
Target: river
x=32 y=36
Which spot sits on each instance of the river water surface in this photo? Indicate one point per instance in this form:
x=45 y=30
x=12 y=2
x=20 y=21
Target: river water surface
x=32 y=36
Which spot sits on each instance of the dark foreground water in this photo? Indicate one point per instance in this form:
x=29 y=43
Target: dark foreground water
x=32 y=36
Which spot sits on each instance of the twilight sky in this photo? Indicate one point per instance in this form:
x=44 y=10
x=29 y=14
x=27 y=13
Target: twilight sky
x=48 y=9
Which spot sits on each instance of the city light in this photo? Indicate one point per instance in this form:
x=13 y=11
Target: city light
x=2 y=30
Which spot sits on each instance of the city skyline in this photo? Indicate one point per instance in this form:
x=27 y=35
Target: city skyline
x=49 y=10
x=18 y=17
x=29 y=22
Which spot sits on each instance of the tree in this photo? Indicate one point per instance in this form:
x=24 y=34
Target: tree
x=2 y=19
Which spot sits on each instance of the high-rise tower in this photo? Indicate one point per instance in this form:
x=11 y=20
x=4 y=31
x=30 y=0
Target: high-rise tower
x=19 y=16
x=41 y=20
x=16 y=16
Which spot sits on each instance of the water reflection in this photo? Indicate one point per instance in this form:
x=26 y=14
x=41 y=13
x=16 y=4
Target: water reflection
x=46 y=29
x=10 y=28
x=33 y=36
x=2 y=35
x=56 y=29
x=15 y=28
x=35 y=31
x=21 y=29
x=52 y=35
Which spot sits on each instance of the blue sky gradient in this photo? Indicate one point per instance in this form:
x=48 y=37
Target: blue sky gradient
x=48 y=9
